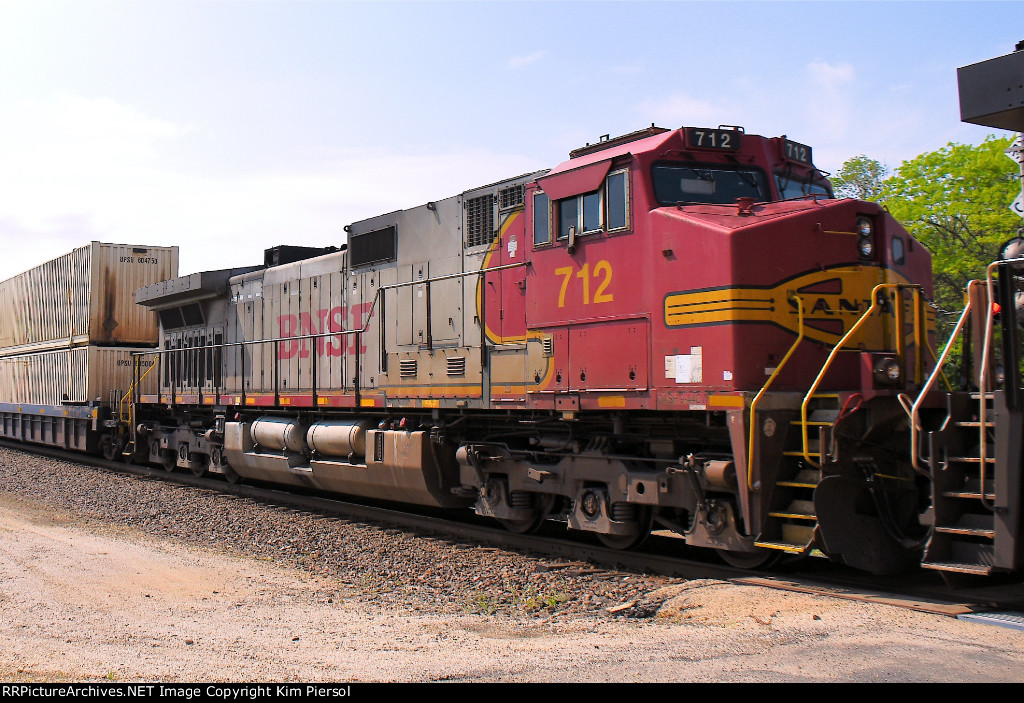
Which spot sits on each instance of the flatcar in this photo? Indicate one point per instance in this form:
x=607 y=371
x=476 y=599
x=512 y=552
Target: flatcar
x=677 y=329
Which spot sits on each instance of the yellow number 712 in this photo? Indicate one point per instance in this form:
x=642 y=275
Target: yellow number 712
x=602 y=270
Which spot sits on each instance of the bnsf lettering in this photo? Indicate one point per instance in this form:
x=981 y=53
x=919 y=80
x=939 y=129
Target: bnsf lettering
x=326 y=320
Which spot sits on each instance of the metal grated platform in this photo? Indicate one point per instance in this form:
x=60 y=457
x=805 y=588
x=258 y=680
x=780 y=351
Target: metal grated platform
x=1012 y=620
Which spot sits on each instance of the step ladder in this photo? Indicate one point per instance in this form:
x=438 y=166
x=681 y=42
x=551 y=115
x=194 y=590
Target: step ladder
x=964 y=513
x=791 y=520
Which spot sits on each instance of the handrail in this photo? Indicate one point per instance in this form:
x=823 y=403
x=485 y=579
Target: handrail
x=120 y=405
x=771 y=379
x=983 y=390
x=875 y=302
x=337 y=333
x=915 y=424
x=983 y=376
x=985 y=359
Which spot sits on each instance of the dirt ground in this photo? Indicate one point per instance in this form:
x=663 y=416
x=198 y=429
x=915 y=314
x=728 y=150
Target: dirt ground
x=80 y=602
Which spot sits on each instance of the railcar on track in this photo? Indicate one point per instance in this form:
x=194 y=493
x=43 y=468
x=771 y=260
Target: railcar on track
x=677 y=330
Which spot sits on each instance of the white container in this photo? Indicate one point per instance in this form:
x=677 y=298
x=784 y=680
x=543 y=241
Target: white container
x=78 y=375
x=84 y=297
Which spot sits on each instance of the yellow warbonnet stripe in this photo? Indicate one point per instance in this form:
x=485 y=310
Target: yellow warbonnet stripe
x=833 y=299
x=494 y=337
x=498 y=240
x=725 y=401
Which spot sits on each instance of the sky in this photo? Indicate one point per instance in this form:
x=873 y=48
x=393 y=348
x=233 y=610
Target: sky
x=229 y=127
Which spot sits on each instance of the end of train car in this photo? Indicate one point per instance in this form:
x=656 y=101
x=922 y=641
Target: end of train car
x=67 y=335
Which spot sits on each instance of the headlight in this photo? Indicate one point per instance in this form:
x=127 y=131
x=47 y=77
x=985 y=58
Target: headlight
x=866 y=247
x=888 y=371
x=866 y=244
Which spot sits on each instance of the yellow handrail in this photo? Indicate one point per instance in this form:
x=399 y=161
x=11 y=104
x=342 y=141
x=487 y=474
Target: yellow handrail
x=983 y=381
x=915 y=412
x=983 y=378
x=771 y=379
x=875 y=302
x=120 y=406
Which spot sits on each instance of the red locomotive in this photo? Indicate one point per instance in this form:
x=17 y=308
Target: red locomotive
x=676 y=330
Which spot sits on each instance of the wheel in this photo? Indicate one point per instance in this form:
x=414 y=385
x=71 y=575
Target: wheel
x=165 y=458
x=645 y=520
x=198 y=469
x=528 y=526
x=109 y=447
x=229 y=474
x=215 y=462
x=523 y=527
x=749 y=560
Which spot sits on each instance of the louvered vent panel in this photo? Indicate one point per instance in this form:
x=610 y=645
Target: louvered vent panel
x=510 y=197
x=407 y=368
x=549 y=346
x=479 y=221
x=456 y=366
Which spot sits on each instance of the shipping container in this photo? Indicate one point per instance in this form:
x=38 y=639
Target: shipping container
x=84 y=297
x=77 y=375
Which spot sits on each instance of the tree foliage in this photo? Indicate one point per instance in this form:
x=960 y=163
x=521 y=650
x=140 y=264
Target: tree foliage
x=861 y=178
x=956 y=202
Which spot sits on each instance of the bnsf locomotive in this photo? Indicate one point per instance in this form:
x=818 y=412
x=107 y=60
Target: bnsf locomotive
x=677 y=330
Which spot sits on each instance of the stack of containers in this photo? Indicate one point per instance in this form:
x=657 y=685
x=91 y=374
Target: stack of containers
x=68 y=327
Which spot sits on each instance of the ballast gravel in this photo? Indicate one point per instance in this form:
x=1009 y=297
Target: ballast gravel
x=110 y=577
x=382 y=562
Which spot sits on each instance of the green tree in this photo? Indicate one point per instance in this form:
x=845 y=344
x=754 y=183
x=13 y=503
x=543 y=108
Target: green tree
x=861 y=178
x=956 y=202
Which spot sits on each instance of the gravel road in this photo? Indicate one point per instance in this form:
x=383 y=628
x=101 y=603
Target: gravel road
x=108 y=577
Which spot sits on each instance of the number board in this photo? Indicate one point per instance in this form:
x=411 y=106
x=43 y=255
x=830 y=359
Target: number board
x=795 y=151
x=706 y=138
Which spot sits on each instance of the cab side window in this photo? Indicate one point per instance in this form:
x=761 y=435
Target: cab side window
x=541 y=219
x=617 y=187
x=605 y=209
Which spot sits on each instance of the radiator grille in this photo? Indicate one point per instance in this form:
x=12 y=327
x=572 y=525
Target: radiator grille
x=479 y=221
x=407 y=368
x=372 y=247
x=510 y=197
x=456 y=366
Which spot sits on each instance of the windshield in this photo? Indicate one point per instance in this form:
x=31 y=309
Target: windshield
x=719 y=183
x=791 y=186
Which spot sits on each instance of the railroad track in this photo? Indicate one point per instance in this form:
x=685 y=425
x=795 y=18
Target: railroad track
x=919 y=590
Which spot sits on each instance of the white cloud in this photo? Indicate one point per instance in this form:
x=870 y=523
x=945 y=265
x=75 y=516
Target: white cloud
x=829 y=98
x=829 y=76
x=526 y=59
x=75 y=170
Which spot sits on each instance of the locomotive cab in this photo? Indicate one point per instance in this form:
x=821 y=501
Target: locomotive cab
x=687 y=273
